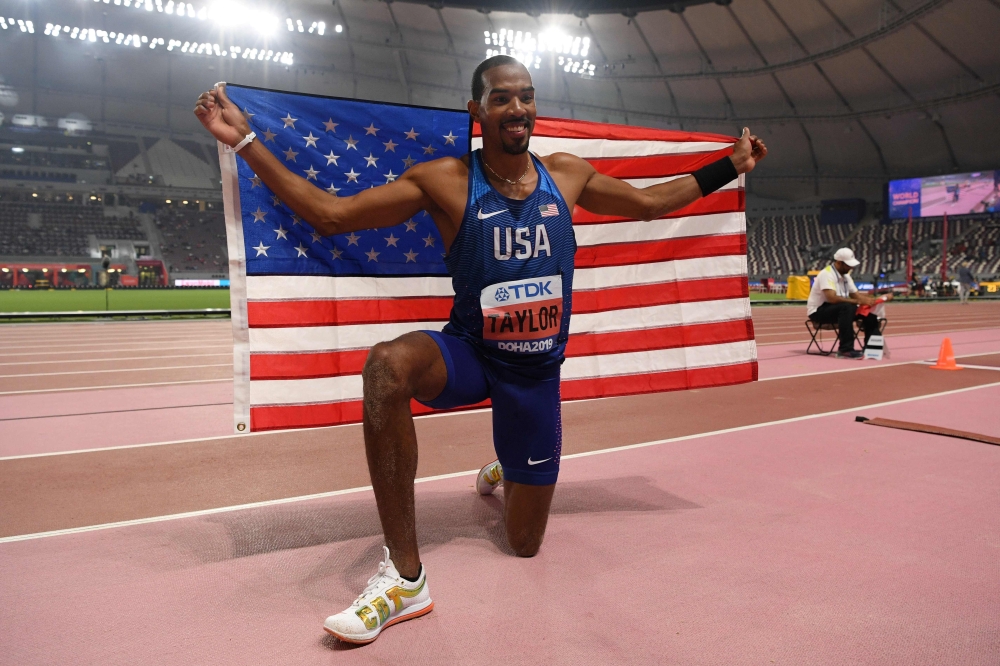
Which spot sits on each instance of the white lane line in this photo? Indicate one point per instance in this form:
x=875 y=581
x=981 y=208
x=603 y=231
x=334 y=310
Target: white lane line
x=114 y=386
x=96 y=372
x=965 y=365
x=347 y=491
x=125 y=345
x=221 y=345
x=114 y=358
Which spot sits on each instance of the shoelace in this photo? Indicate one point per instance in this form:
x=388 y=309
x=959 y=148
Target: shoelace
x=374 y=581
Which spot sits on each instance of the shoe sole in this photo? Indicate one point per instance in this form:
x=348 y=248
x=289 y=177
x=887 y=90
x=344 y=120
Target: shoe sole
x=396 y=620
x=482 y=487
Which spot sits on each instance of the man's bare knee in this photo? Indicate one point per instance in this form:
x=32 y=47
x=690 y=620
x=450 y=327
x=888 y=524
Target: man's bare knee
x=386 y=380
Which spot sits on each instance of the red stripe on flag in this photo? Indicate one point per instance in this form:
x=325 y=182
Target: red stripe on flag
x=342 y=312
x=667 y=337
x=282 y=417
x=645 y=252
x=583 y=129
x=309 y=365
x=659 y=293
x=728 y=201
x=654 y=382
x=655 y=166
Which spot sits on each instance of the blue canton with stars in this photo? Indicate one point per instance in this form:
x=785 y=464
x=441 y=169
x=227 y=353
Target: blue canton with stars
x=343 y=146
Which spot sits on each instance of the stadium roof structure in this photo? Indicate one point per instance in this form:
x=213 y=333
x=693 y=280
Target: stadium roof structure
x=847 y=94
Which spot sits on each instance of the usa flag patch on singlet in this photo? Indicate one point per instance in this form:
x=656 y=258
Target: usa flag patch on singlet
x=523 y=315
x=550 y=210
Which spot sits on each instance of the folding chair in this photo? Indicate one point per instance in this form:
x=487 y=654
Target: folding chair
x=816 y=335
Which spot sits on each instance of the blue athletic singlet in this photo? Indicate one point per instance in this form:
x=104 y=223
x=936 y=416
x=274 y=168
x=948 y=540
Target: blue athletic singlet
x=512 y=270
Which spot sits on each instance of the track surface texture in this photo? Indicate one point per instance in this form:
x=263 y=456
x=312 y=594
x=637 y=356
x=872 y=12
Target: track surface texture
x=747 y=524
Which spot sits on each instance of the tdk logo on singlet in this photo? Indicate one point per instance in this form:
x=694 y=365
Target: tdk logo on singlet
x=522 y=237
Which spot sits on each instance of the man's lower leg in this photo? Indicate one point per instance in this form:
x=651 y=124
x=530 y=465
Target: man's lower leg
x=391 y=449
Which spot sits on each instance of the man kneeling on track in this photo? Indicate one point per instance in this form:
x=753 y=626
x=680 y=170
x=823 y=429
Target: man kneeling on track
x=479 y=204
x=834 y=299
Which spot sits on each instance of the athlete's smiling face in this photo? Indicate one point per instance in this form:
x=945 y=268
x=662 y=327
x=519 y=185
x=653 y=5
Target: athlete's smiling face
x=506 y=111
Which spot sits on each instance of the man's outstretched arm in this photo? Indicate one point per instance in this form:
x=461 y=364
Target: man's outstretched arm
x=393 y=203
x=605 y=195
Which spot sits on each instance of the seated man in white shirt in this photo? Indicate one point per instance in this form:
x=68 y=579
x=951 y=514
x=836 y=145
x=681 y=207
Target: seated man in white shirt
x=834 y=299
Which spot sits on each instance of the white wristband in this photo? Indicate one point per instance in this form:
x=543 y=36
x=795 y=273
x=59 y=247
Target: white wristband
x=249 y=137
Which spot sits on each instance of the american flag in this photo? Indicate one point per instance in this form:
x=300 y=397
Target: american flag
x=549 y=210
x=657 y=305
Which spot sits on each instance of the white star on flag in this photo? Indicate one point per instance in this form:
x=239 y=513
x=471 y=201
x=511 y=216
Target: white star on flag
x=411 y=225
x=409 y=161
x=371 y=129
x=449 y=138
x=262 y=249
x=371 y=159
x=412 y=134
x=331 y=126
x=247 y=114
x=391 y=240
x=311 y=140
x=256 y=181
x=296 y=219
x=311 y=173
x=269 y=135
x=258 y=215
x=410 y=256
x=289 y=121
x=351 y=142
x=373 y=255
x=290 y=155
x=351 y=176
x=429 y=241
x=353 y=239
x=301 y=249
x=390 y=177
x=282 y=233
x=316 y=237
x=336 y=253
x=390 y=146
x=429 y=150
x=332 y=159
x=333 y=190
x=275 y=201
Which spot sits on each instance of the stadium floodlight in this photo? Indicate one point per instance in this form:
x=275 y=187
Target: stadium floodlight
x=228 y=12
x=339 y=28
x=17 y=149
x=528 y=48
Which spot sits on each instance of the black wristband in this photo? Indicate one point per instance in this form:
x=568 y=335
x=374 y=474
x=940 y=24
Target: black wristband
x=713 y=176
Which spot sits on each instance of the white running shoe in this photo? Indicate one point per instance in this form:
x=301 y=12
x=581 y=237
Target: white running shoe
x=489 y=478
x=388 y=599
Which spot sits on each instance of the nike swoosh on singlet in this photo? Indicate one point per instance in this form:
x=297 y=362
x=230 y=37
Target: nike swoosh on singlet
x=483 y=216
x=537 y=462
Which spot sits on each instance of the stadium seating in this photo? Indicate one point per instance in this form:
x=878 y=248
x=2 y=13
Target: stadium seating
x=192 y=240
x=786 y=244
x=60 y=230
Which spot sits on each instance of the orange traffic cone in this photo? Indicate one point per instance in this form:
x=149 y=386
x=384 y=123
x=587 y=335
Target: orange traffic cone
x=946 y=357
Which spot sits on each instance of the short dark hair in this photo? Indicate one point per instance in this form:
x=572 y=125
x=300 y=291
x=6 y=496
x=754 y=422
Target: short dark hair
x=478 y=85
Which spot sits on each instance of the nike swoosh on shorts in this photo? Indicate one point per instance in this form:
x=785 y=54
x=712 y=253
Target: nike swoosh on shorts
x=483 y=216
x=537 y=462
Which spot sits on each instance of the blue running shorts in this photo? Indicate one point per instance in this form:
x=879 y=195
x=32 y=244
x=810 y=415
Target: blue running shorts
x=527 y=419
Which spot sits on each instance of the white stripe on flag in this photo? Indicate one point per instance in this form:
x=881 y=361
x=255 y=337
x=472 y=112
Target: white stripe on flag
x=330 y=338
x=305 y=391
x=630 y=232
x=660 y=360
x=292 y=287
x=654 y=316
x=587 y=148
x=663 y=271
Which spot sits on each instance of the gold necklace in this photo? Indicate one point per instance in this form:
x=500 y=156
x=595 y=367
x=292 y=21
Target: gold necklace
x=506 y=180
